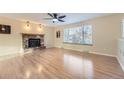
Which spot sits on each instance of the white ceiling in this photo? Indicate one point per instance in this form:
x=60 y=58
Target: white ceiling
x=38 y=17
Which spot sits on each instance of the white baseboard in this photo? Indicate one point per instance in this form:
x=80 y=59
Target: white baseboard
x=5 y=57
x=88 y=51
x=57 y=46
x=49 y=46
x=102 y=54
x=120 y=63
x=72 y=49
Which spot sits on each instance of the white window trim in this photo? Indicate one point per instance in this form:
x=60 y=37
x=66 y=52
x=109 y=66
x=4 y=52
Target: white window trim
x=83 y=37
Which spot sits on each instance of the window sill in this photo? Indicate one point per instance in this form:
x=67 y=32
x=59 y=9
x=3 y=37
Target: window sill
x=78 y=44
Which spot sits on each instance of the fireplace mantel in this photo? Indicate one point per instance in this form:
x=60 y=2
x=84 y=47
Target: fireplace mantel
x=32 y=34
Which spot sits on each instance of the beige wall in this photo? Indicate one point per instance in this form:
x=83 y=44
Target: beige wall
x=106 y=31
x=12 y=43
x=49 y=37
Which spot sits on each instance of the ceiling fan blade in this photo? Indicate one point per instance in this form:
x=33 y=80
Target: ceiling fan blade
x=62 y=16
x=61 y=20
x=47 y=18
x=50 y=14
x=55 y=15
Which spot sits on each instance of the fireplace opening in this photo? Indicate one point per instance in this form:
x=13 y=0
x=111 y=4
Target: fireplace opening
x=34 y=42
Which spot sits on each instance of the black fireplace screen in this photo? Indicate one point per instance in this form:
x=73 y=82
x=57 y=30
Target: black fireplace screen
x=34 y=42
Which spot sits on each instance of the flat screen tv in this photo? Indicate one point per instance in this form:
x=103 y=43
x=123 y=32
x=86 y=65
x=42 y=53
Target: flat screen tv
x=5 y=29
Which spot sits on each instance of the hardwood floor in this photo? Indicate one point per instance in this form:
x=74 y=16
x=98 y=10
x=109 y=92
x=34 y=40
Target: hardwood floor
x=55 y=63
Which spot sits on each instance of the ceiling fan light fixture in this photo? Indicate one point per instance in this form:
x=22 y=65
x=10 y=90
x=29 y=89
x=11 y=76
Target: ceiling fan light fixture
x=40 y=26
x=28 y=23
x=28 y=26
x=55 y=20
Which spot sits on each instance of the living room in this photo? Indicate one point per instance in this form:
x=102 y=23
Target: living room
x=89 y=43
x=67 y=46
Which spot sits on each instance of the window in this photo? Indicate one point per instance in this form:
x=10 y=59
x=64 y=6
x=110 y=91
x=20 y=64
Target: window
x=87 y=34
x=78 y=35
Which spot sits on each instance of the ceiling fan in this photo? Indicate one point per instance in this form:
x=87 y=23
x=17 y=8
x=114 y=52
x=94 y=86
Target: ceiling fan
x=55 y=17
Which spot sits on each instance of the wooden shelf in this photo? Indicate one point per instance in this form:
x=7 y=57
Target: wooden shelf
x=32 y=34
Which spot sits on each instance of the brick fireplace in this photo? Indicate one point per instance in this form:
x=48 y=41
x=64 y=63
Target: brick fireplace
x=32 y=41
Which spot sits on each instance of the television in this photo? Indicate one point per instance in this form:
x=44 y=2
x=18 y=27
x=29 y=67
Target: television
x=5 y=29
